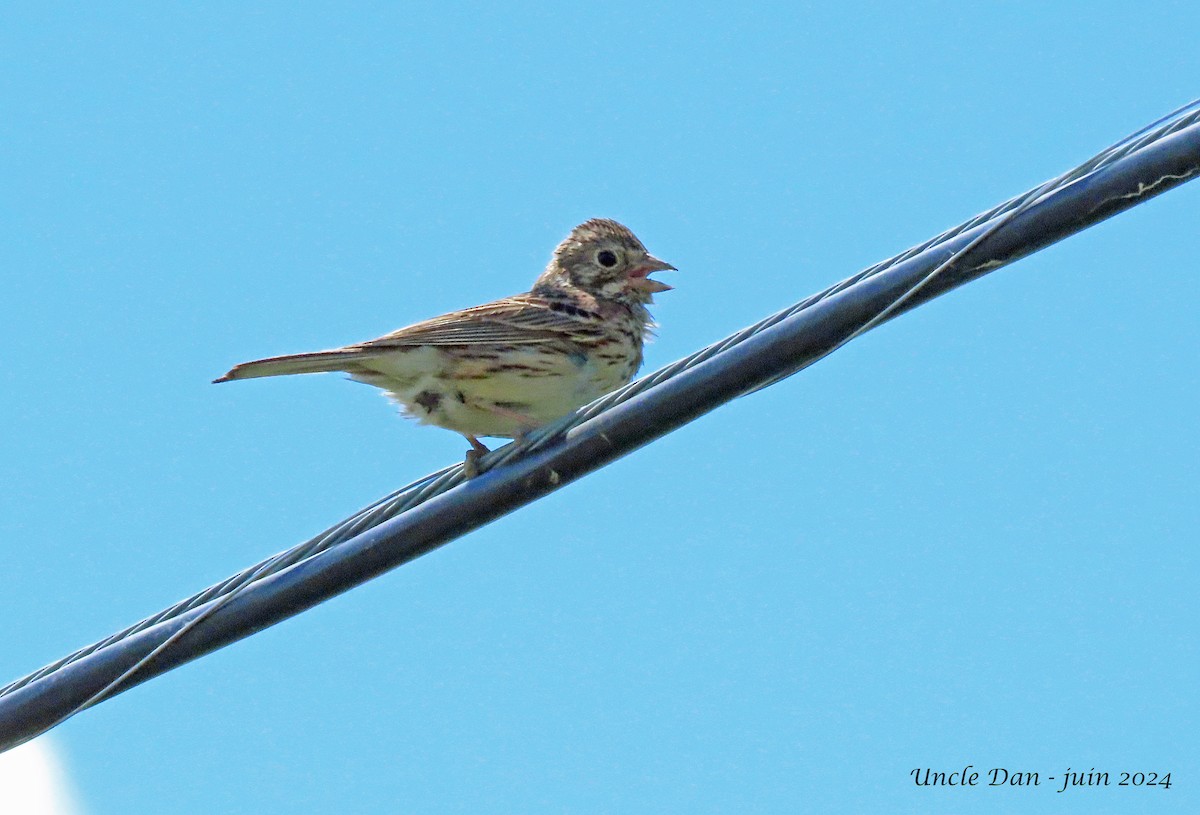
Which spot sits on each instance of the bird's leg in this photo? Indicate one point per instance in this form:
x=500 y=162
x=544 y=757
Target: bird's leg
x=525 y=425
x=471 y=464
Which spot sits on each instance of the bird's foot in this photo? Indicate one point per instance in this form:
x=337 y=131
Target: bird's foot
x=471 y=463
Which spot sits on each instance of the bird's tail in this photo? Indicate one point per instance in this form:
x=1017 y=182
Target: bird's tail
x=317 y=362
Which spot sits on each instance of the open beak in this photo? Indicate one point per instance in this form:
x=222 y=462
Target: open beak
x=639 y=275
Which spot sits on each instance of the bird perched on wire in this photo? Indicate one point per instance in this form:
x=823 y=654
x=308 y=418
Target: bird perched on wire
x=503 y=368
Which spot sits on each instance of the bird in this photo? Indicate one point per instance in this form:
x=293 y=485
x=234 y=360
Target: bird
x=504 y=368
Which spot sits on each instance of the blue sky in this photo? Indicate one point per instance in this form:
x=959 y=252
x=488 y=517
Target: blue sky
x=967 y=538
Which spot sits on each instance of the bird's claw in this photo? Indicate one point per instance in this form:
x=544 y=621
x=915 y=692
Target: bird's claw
x=471 y=463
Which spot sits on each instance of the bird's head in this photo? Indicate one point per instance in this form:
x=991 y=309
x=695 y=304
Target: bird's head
x=606 y=260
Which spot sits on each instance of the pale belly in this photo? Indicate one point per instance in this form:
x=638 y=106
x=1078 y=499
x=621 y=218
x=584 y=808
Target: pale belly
x=478 y=393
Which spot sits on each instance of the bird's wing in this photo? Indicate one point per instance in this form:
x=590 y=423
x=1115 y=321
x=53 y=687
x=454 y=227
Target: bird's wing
x=518 y=320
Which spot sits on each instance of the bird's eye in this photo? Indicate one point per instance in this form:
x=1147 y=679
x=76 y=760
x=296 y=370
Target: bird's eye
x=606 y=258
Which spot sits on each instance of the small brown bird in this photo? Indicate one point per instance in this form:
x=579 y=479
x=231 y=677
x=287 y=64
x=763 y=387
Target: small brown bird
x=504 y=368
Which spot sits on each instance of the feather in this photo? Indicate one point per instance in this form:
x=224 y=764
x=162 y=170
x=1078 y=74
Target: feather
x=314 y=363
x=520 y=320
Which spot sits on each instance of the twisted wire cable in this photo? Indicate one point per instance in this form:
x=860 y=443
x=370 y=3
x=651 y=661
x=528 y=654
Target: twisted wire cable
x=214 y=598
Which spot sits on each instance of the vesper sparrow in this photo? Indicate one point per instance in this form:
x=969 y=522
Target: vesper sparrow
x=504 y=368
